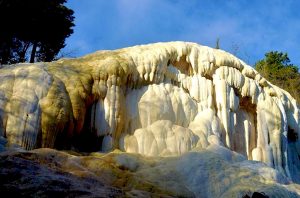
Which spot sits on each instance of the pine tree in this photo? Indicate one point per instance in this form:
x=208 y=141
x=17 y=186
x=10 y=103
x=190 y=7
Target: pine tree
x=277 y=69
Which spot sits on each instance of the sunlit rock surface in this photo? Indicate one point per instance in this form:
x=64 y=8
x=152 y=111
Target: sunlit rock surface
x=161 y=99
x=212 y=172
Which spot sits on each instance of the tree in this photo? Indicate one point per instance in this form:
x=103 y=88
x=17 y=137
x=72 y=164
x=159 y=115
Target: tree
x=217 y=43
x=277 y=69
x=33 y=30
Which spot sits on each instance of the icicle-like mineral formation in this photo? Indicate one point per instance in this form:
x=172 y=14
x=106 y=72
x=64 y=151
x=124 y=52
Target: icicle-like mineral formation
x=158 y=99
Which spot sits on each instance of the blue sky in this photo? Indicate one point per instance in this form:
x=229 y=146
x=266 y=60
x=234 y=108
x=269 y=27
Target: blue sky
x=246 y=28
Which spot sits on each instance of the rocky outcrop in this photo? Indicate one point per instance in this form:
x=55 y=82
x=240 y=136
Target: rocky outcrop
x=212 y=172
x=158 y=100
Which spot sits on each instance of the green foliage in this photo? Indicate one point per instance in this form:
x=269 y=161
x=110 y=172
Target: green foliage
x=277 y=69
x=33 y=30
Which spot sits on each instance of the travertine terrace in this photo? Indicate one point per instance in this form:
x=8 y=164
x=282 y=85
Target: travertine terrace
x=159 y=99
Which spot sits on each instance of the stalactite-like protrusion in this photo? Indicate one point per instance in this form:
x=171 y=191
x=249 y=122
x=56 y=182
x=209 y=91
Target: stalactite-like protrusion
x=212 y=96
x=222 y=92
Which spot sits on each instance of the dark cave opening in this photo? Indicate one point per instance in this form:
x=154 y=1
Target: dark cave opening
x=292 y=135
x=86 y=140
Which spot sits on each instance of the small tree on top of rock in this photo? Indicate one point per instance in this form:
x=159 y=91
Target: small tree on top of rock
x=33 y=30
x=217 y=43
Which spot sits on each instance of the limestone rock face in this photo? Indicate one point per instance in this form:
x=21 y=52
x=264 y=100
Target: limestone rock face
x=158 y=100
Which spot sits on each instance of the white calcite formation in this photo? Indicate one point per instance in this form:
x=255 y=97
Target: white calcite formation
x=158 y=100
